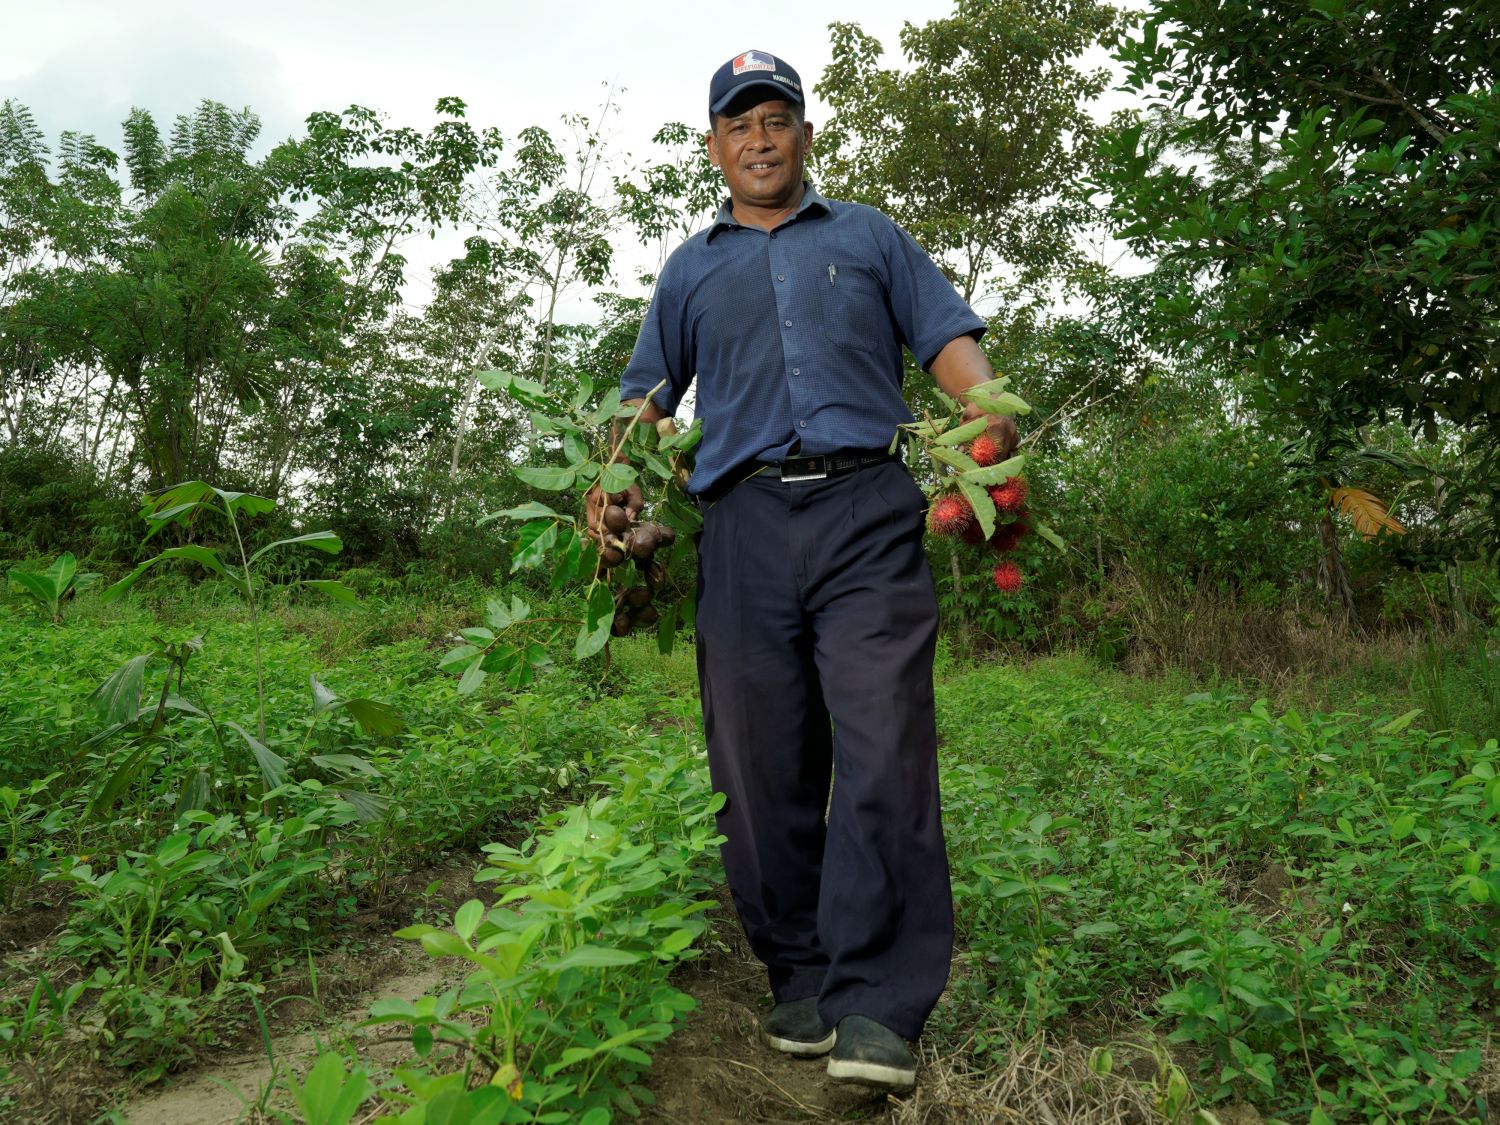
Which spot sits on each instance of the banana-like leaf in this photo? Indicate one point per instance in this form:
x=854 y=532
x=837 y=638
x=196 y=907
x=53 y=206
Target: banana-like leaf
x=329 y=588
x=118 y=699
x=1366 y=511
x=346 y=764
x=323 y=699
x=272 y=765
x=119 y=781
x=193 y=553
x=325 y=541
x=61 y=572
x=369 y=807
x=375 y=718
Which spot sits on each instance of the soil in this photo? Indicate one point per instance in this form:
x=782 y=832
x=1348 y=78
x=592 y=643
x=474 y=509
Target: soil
x=713 y=1071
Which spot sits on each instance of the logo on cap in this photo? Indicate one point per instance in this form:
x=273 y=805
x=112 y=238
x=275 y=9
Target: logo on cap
x=754 y=60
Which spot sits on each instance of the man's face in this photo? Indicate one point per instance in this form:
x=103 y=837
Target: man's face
x=761 y=151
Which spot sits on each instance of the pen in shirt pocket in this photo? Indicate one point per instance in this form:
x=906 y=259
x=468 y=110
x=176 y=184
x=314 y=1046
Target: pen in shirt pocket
x=833 y=272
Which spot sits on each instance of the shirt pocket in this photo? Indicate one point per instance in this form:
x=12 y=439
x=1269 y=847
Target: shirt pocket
x=855 y=312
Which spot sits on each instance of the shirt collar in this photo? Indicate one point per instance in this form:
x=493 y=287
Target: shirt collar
x=812 y=204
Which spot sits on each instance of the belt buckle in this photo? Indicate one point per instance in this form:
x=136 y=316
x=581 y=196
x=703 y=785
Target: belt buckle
x=810 y=474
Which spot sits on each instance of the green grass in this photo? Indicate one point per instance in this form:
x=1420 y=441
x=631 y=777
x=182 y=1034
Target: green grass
x=1304 y=905
x=1301 y=905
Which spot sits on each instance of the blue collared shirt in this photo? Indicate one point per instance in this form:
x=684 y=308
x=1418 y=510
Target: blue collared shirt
x=794 y=334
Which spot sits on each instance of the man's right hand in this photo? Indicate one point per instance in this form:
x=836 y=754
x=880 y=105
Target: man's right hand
x=596 y=500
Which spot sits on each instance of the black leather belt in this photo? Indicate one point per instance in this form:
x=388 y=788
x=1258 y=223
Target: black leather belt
x=800 y=468
x=826 y=464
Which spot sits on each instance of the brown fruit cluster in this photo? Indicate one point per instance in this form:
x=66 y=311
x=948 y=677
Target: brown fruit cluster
x=626 y=537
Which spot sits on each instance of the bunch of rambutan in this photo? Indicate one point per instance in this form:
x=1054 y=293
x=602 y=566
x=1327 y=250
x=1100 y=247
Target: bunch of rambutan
x=952 y=514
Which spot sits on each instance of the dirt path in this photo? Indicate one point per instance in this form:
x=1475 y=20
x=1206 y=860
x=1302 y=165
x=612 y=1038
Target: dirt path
x=232 y=1087
x=716 y=1071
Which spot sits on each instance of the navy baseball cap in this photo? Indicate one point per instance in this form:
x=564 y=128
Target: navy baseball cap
x=753 y=68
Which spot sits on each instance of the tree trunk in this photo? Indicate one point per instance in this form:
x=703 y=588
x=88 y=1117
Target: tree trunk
x=1332 y=577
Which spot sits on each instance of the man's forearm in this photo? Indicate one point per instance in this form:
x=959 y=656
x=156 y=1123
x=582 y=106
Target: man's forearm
x=961 y=365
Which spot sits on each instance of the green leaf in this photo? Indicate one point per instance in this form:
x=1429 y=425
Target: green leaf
x=599 y=616
x=996 y=474
x=118 y=698
x=456 y=656
x=984 y=507
x=960 y=434
x=960 y=461
x=330 y=588
x=549 y=478
x=467 y=918
x=1002 y=403
x=379 y=720
x=592 y=957
x=272 y=765
x=325 y=541
x=616 y=477
x=533 y=542
x=528 y=511
x=1048 y=534
x=1400 y=723
x=473 y=676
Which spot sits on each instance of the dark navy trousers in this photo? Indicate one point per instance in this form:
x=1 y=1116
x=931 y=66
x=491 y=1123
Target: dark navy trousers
x=817 y=621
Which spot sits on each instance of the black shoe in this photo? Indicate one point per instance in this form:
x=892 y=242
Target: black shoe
x=795 y=1028
x=873 y=1054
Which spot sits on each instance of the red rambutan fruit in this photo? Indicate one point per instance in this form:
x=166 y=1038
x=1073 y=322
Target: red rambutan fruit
x=984 y=450
x=950 y=515
x=1010 y=496
x=1008 y=577
x=1005 y=538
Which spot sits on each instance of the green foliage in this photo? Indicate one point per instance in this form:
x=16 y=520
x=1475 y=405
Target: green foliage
x=582 y=426
x=181 y=506
x=51 y=586
x=569 y=981
x=1319 y=197
x=976 y=143
x=1306 y=901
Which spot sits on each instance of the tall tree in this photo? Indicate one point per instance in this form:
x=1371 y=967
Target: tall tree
x=1322 y=177
x=977 y=144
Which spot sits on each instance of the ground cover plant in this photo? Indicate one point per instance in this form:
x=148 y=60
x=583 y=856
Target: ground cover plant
x=1254 y=905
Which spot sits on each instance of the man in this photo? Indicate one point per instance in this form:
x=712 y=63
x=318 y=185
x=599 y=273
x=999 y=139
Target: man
x=816 y=614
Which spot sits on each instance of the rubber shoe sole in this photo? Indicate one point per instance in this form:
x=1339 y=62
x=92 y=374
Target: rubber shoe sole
x=873 y=1074
x=873 y=1055
x=801 y=1048
x=794 y=1028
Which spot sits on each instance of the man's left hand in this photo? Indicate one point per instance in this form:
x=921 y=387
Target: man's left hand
x=1002 y=427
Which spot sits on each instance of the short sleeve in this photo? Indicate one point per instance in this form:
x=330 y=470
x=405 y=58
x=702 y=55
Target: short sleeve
x=663 y=349
x=927 y=308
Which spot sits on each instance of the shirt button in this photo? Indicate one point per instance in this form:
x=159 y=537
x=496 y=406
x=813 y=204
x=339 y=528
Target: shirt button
x=789 y=324
x=796 y=371
x=781 y=277
x=803 y=423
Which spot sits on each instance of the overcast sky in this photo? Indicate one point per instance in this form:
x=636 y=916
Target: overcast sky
x=83 y=64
